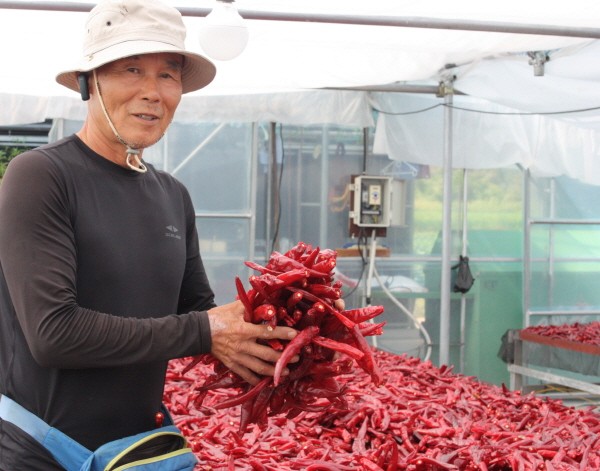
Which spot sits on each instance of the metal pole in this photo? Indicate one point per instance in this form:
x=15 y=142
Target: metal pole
x=367 y=20
x=199 y=147
x=444 y=358
x=463 y=298
x=252 y=191
x=324 y=196
x=273 y=191
x=526 y=245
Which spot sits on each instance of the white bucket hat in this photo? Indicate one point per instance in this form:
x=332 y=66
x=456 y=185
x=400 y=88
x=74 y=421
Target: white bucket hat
x=122 y=28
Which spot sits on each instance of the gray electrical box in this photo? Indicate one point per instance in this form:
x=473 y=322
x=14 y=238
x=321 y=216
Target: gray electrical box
x=372 y=197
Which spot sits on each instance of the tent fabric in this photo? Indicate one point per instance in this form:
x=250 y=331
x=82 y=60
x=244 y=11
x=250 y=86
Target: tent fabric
x=517 y=118
x=299 y=107
x=295 y=73
x=544 y=145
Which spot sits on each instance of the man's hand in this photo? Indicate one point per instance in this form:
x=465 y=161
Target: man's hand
x=234 y=342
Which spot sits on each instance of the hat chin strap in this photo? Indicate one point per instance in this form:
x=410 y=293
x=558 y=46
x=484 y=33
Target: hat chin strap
x=132 y=152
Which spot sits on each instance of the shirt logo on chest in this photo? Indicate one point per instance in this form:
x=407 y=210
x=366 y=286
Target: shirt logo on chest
x=172 y=232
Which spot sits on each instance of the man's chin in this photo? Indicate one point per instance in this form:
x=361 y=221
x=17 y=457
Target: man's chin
x=144 y=143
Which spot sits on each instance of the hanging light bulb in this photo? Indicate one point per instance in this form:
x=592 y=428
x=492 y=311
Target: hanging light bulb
x=224 y=34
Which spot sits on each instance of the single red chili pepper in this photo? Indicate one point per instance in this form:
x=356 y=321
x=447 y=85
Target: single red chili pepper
x=368 y=328
x=326 y=368
x=310 y=259
x=260 y=407
x=326 y=466
x=258 y=284
x=275 y=344
x=280 y=262
x=195 y=360
x=297 y=251
x=245 y=415
x=327 y=253
x=249 y=394
x=284 y=264
x=324 y=291
x=313 y=316
x=341 y=347
x=244 y=299
x=227 y=379
x=393 y=457
x=368 y=362
x=264 y=312
x=159 y=419
x=363 y=314
x=326 y=387
x=368 y=465
x=330 y=309
x=277 y=400
x=266 y=283
x=294 y=346
x=284 y=317
x=292 y=276
x=294 y=299
x=325 y=266
x=422 y=460
x=260 y=268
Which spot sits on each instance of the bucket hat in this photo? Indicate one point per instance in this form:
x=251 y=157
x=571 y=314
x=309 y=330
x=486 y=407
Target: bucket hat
x=116 y=29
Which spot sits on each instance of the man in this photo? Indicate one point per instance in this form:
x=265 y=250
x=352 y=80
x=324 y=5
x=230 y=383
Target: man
x=101 y=278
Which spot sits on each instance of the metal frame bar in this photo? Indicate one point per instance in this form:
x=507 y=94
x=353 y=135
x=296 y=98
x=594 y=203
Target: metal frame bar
x=370 y=20
x=446 y=277
x=518 y=370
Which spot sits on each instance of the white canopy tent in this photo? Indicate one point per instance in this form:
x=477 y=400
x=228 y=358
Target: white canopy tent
x=371 y=55
x=302 y=72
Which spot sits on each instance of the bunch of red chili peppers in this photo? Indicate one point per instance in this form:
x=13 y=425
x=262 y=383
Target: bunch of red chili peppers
x=297 y=289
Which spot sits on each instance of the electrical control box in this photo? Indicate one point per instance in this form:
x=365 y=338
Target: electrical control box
x=371 y=202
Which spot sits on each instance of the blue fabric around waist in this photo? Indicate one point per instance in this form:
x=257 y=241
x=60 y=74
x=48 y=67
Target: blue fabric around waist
x=70 y=454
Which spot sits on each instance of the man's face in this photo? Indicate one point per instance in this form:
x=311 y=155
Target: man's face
x=141 y=94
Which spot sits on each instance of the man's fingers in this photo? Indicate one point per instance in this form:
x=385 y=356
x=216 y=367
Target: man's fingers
x=251 y=367
x=268 y=332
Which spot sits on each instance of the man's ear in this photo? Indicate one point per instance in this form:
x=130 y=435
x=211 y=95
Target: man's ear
x=84 y=88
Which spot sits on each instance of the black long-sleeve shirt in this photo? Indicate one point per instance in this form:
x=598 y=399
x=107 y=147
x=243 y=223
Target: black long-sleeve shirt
x=101 y=284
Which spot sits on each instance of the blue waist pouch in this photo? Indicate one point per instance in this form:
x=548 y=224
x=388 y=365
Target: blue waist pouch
x=160 y=449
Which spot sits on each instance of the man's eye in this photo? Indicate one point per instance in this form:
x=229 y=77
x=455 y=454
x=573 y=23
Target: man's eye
x=133 y=70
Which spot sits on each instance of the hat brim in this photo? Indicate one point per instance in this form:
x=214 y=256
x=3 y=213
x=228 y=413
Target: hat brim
x=197 y=70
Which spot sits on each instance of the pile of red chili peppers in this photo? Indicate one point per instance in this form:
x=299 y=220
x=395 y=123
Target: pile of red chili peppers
x=423 y=418
x=328 y=416
x=297 y=289
x=584 y=333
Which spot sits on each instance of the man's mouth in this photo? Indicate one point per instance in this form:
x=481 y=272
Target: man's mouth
x=147 y=117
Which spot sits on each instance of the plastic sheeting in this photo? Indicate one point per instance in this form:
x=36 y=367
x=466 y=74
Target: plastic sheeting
x=293 y=107
x=520 y=119
x=281 y=76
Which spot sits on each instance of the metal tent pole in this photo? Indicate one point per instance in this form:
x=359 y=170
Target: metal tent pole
x=444 y=356
x=465 y=240
x=368 y=20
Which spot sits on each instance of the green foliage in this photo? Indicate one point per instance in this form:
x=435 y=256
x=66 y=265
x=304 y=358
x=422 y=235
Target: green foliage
x=6 y=154
x=494 y=203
